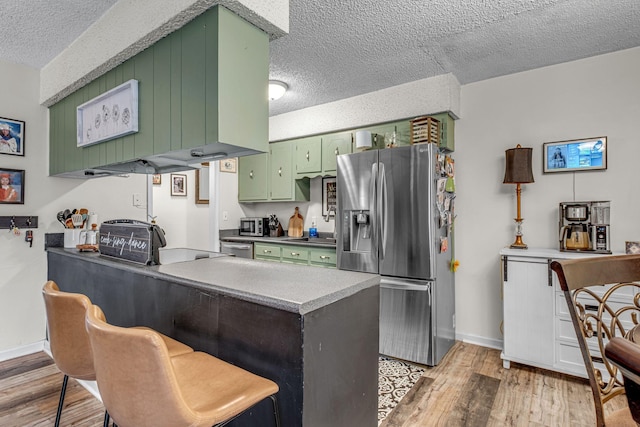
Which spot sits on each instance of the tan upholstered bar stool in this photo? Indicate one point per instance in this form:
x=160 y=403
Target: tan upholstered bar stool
x=70 y=346
x=142 y=386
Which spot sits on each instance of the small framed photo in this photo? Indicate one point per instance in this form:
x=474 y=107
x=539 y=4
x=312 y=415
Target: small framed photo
x=328 y=195
x=157 y=179
x=11 y=186
x=178 y=184
x=228 y=165
x=11 y=137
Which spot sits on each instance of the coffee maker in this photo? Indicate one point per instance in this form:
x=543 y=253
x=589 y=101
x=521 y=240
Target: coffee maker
x=584 y=226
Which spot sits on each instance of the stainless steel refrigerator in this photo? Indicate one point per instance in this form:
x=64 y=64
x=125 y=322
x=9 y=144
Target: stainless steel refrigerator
x=394 y=219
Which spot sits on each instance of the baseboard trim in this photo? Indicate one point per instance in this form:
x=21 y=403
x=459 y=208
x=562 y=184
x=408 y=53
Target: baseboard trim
x=481 y=341
x=22 y=351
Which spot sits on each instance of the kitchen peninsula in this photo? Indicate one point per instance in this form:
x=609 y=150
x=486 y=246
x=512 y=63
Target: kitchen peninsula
x=312 y=331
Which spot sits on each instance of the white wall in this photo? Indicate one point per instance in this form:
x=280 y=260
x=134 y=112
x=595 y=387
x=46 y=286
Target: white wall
x=592 y=97
x=23 y=270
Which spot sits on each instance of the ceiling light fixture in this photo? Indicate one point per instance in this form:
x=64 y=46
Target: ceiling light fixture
x=277 y=89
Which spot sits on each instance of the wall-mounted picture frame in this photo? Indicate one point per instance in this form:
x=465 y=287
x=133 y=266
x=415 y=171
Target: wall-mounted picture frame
x=110 y=115
x=156 y=179
x=229 y=165
x=178 y=184
x=202 y=184
x=328 y=195
x=11 y=186
x=12 y=136
x=576 y=155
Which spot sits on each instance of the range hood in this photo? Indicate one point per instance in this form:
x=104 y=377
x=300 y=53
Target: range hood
x=203 y=103
x=177 y=161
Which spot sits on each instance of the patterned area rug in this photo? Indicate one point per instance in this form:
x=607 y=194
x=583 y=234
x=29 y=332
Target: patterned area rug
x=395 y=379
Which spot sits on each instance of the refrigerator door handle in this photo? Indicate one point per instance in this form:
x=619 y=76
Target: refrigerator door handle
x=383 y=209
x=404 y=285
x=373 y=184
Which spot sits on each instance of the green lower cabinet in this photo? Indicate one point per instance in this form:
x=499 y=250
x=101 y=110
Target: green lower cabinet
x=294 y=254
x=267 y=252
x=321 y=257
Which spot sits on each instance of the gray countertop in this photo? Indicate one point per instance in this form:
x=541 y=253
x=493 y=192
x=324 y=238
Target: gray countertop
x=289 y=287
x=281 y=240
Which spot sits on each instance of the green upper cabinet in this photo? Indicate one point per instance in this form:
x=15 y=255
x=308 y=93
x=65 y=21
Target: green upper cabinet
x=403 y=133
x=203 y=86
x=277 y=183
x=308 y=152
x=333 y=145
x=281 y=171
x=252 y=178
x=447 y=127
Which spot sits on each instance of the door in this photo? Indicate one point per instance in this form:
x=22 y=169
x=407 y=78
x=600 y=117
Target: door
x=356 y=244
x=252 y=177
x=308 y=155
x=281 y=171
x=405 y=205
x=528 y=311
x=332 y=146
x=406 y=320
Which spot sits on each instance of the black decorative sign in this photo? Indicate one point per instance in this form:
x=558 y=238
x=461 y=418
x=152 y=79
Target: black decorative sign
x=132 y=242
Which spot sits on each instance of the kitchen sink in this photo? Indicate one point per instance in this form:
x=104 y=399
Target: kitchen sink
x=320 y=240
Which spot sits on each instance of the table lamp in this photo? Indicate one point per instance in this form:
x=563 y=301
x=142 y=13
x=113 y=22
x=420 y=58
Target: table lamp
x=518 y=171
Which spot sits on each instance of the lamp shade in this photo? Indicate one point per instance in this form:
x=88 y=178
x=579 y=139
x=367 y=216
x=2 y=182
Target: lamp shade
x=518 y=166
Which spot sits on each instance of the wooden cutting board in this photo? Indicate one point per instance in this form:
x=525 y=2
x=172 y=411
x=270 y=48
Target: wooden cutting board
x=296 y=225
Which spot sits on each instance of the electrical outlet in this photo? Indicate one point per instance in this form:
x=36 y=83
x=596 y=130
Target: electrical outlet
x=225 y=215
x=137 y=199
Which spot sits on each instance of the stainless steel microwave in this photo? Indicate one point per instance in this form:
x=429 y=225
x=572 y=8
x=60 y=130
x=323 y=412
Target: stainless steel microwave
x=254 y=226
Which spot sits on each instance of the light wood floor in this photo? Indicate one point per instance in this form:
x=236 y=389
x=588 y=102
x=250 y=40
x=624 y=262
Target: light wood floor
x=469 y=388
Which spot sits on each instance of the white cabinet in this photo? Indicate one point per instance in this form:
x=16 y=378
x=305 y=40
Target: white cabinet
x=528 y=311
x=537 y=324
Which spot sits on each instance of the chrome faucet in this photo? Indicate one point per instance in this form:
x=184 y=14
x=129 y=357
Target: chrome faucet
x=328 y=215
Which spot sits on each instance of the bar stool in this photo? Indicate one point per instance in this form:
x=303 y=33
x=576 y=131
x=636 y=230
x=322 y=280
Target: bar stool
x=69 y=341
x=142 y=386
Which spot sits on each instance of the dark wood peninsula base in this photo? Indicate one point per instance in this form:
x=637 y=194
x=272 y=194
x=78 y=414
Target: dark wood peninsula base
x=320 y=344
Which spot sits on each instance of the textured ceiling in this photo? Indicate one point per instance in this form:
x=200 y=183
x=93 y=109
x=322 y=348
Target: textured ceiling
x=342 y=48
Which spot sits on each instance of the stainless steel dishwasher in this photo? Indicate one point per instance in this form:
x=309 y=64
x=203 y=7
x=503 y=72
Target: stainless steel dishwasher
x=239 y=249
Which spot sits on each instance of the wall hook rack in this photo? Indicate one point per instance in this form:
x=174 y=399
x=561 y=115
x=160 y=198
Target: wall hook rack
x=11 y=221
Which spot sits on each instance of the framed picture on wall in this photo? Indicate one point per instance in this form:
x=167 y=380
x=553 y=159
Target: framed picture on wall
x=228 y=165
x=11 y=136
x=328 y=195
x=178 y=184
x=202 y=184
x=11 y=186
x=157 y=179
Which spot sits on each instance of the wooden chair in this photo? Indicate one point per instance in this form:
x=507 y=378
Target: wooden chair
x=599 y=292
x=69 y=341
x=142 y=386
x=625 y=355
